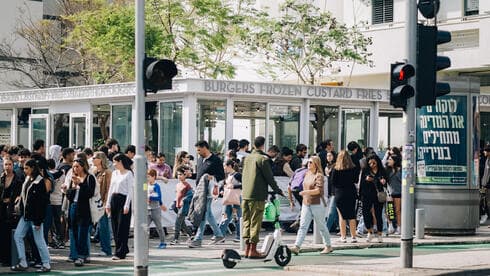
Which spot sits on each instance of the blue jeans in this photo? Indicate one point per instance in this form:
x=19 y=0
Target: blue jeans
x=20 y=232
x=105 y=235
x=229 y=216
x=333 y=216
x=79 y=235
x=309 y=213
x=209 y=217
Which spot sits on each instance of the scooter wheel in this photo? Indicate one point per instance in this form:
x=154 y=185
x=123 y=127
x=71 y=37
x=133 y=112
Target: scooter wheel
x=282 y=255
x=227 y=256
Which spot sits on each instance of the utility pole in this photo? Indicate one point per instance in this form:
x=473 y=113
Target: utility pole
x=140 y=204
x=408 y=168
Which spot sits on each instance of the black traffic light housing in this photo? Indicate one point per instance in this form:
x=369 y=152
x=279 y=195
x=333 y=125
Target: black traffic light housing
x=428 y=62
x=400 y=90
x=158 y=74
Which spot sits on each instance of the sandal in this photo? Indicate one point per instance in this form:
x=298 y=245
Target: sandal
x=43 y=269
x=18 y=267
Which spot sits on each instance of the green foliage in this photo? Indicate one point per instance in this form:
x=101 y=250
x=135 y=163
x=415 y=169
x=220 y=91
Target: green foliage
x=305 y=41
x=201 y=36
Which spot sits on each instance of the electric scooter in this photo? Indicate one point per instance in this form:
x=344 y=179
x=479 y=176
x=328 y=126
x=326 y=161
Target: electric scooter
x=272 y=248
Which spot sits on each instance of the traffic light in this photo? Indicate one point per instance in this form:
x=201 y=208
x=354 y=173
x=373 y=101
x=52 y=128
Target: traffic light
x=428 y=62
x=158 y=74
x=400 y=90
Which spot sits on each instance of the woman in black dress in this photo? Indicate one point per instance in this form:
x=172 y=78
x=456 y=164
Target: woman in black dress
x=10 y=188
x=343 y=178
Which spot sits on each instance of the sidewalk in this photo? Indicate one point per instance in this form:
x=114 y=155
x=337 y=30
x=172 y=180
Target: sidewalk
x=447 y=262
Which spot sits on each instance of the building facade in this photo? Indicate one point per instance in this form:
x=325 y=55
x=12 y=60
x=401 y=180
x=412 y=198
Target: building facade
x=196 y=109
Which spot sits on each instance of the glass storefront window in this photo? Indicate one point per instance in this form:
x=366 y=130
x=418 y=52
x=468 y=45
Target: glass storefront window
x=151 y=125
x=390 y=125
x=323 y=125
x=61 y=125
x=171 y=130
x=355 y=127
x=101 y=115
x=249 y=120
x=78 y=132
x=40 y=111
x=121 y=124
x=23 y=127
x=284 y=126
x=484 y=127
x=211 y=124
x=5 y=127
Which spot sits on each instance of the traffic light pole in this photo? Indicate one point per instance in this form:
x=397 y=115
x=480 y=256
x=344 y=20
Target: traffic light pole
x=140 y=190
x=408 y=167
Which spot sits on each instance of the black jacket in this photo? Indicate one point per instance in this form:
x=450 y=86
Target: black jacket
x=11 y=193
x=212 y=166
x=87 y=189
x=36 y=200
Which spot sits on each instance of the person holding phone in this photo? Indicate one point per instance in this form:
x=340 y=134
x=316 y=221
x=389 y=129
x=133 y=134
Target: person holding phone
x=373 y=179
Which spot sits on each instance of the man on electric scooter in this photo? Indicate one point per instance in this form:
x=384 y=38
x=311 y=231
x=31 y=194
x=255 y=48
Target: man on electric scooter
x=256 y=177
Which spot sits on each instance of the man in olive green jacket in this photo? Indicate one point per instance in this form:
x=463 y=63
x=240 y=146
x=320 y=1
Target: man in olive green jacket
x=256 y=177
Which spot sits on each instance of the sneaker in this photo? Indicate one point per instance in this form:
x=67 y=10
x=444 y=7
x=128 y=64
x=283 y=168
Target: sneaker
x=343 y=240
x=217 y=240
x=174 y=242
x=70 y=260
x=327 y=250
x=162 y=245
x=294 y=250
x=369 y=237
x=380 y=239
x=391 y=229
x=483 y=219
x=353 y=240
x=103 y=254
x=19 y=267
x=195 y=244
x=79 y=262
x=38 y=265
x=397 y=231
x=213 y=238
x=236 y=240
x=115 y=258
x=86 y=260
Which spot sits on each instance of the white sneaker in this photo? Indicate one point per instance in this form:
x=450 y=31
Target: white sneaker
x=397 y=231
x=391 y=230
x=483 y=219
x=380 y=239
x=369 y=237
x=343 y=240
x=353 y=240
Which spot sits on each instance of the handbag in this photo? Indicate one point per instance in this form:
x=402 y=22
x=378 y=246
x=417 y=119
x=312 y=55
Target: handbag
x=231 y=196
x=96 y=204
x=382 y=196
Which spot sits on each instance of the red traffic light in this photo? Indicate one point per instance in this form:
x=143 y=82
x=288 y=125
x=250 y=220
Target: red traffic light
x=403 y=72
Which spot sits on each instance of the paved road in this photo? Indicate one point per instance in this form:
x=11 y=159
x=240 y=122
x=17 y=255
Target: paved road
x=174 y=262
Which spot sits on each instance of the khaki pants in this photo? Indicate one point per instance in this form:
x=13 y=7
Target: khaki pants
x=252 y=213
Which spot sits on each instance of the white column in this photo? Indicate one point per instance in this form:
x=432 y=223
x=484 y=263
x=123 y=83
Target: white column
x=374 y=126
x=13 y=127
x=304 y=123
x=229 y=121
x=189 y=126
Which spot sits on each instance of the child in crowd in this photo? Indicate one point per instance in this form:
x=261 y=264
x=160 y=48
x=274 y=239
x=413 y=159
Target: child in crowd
x=183 y=199
x=155 y=205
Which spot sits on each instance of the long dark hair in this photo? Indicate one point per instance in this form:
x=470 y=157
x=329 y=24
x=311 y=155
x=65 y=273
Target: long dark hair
x=397 y=163
x=125 y=161
x=33 y=164
x=379 y=164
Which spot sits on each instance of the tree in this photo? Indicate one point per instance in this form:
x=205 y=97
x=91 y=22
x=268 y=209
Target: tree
x=308 y=43
x=201 y=36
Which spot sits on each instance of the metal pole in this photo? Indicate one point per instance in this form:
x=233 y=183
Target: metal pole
x=408 y=168
x=140 y=189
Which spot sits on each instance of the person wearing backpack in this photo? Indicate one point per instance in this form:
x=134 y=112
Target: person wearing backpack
x=294 y=188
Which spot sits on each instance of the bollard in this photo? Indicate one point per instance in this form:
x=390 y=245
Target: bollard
x=317 y=238
x=419 y=223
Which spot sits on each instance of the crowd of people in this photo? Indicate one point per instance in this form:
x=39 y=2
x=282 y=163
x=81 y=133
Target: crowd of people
x=48 y=198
